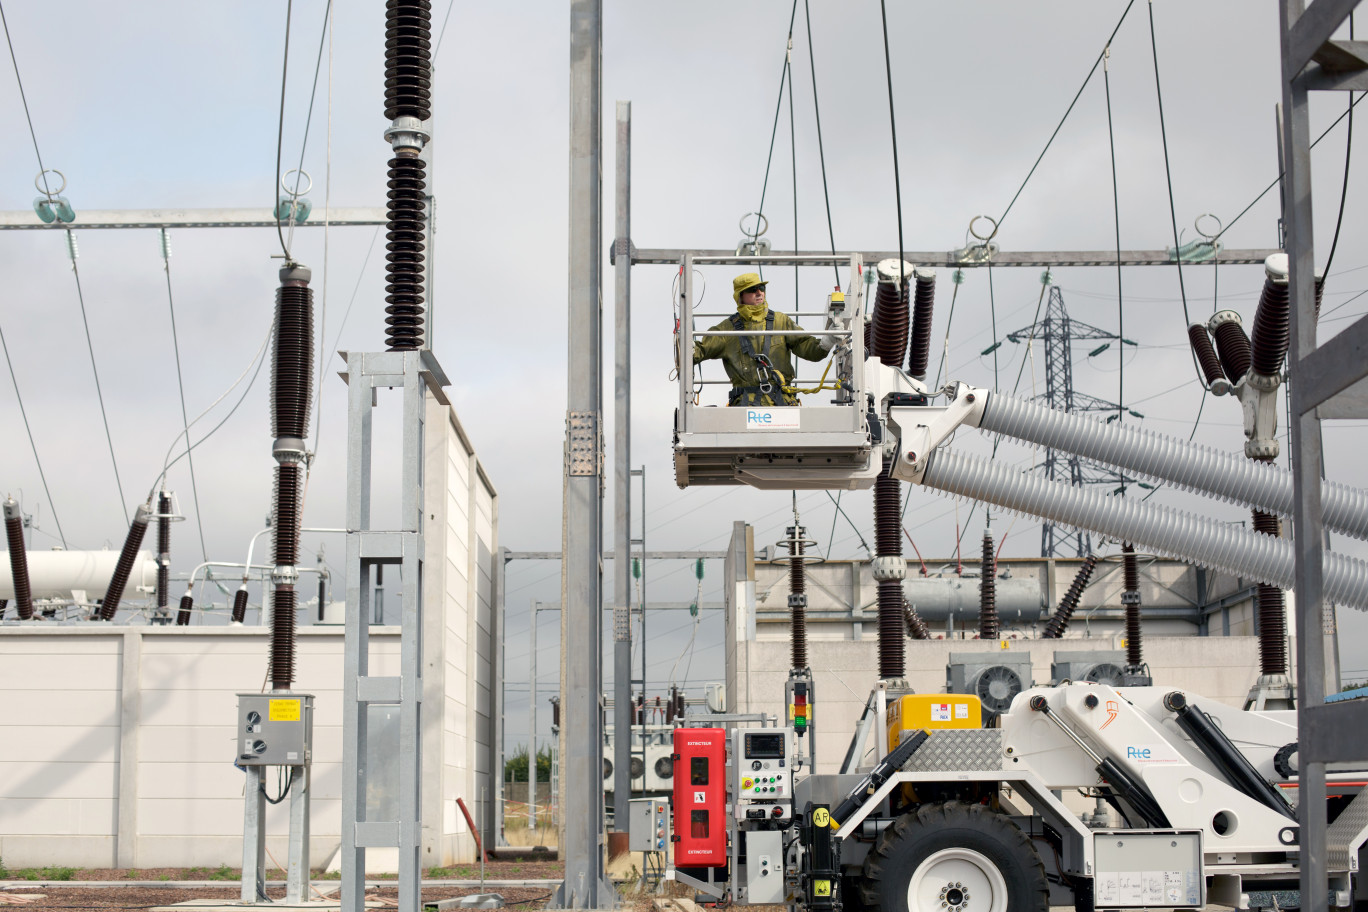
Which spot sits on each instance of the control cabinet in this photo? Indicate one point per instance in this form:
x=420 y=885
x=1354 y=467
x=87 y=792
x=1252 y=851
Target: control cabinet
x=275 y=729
x=763 y=774
x=649 y=820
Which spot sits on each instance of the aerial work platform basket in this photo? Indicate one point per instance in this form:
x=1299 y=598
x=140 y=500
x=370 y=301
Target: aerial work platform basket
x=830 y=442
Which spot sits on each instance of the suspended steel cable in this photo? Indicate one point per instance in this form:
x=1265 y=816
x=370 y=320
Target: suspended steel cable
x=1277 y=180
x=1348 y=148
x=180 y=383
x=24 y=413
x=774 y=131
x=1116 y=218
x=1067 y=112
x=893 y=127
x=280 y=129
x=1168 y=171
x=33 y=135
x=821 y=154
x=99 y=394
x=793 y=163
x=308 y=119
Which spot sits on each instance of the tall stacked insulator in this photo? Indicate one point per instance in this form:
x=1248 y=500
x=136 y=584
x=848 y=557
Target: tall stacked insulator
x=291 y=386
x=1130 y=599
x=797 y=600
x=14 y=536
x=114 y=594
x=1059 y=621
x=163 y=552
x=1268 y=347
x=889 y=339
x=988 y=616
x=923 y=305
x=408 y=94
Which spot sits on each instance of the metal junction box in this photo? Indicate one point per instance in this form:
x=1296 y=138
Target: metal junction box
x=275 y=729
x=649 y=825
x=1143 y=869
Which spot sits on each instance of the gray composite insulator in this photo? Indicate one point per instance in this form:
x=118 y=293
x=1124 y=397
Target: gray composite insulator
x=1191 y=467
x=1161 y=530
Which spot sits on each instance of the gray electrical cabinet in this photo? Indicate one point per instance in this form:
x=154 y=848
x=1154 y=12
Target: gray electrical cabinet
x=649 y=824
x=275 y=729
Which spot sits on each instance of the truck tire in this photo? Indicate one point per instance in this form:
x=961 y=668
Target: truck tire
x=951 y=856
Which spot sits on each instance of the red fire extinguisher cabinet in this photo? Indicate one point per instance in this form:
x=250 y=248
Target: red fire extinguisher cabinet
x=700 y=797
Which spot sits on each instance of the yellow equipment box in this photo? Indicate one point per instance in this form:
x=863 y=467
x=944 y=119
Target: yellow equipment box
x=912 y=712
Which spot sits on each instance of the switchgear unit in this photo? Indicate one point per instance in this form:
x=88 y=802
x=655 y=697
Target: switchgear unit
x=275 y=729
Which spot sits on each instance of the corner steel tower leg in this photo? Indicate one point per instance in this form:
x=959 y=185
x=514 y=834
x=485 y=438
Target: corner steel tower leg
x=585 y=886
x=415 y=372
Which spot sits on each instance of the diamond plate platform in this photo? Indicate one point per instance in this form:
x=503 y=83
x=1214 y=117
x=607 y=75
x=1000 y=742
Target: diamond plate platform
x=949 y=750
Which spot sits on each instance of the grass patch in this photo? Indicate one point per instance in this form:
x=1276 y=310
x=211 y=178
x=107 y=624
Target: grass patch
x=49 y=873
x=223 y=873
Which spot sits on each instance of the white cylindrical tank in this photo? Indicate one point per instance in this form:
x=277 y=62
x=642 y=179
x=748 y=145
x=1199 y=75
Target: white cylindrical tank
x=55 y=574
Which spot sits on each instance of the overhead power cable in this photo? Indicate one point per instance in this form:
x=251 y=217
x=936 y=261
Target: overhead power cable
x=1168 y=171
x=180 y=383
x=24 y=413
x=1116 y=219
x=308 y=119
x=280 y=129
x=893 y=127
x=1348 y=148
x=1067 y=112
x=821 y=154
x=1277 y=180
x=774 y=131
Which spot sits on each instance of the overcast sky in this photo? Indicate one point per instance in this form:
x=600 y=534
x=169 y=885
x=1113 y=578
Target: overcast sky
x=177 y=105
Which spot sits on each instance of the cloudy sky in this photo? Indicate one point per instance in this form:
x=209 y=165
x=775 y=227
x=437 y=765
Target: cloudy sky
x=177 y=105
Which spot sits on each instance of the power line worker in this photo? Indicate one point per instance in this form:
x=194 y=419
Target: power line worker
x=759 y=367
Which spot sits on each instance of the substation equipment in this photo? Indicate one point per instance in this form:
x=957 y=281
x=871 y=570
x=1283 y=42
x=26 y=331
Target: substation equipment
x=957 y=801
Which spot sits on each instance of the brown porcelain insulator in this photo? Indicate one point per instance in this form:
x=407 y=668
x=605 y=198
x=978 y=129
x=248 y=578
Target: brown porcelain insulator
x=183 y=615
x=1272 y=610
x=1130 y=598
x=988 y=616
x=240 y=605
x=891 y=322
x=114 y=594
x=282 y=638
x=14 y=536
x=923 y=305
x=1059 y=621
x=1206 y=355
x=1269 y=337
x=916 y=627
x=1232 y=347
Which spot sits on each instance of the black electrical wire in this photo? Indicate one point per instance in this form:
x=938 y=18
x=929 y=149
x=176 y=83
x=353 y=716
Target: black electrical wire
x=1277 y=180
x=893 y=127
x=99 y=394
x=854 y=528
x=308 y=119
x=945 y=349
x=280 y=129
x=1348 y=148
x=180 y=382
x=1060 y=125
x=793 y=165
x=32 y=445
x=774 y=131
x=442 y=34
x=1168 y=172
x=821 y=155
x=1116 y=218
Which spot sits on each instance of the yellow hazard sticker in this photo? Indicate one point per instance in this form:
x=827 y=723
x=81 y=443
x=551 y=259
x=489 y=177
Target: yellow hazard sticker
x=747 y=783
x=821 y=888
x=821 y=817
x=284 y=710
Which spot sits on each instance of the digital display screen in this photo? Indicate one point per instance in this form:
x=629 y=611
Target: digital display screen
x=765 y=746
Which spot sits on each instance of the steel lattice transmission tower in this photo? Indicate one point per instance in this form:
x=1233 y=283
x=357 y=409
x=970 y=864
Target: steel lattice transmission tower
x=1059 y=331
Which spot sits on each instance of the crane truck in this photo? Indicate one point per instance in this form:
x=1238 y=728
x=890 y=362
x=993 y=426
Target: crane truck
x=1193 y=801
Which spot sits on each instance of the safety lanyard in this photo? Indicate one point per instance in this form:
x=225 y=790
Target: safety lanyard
x=765 y=368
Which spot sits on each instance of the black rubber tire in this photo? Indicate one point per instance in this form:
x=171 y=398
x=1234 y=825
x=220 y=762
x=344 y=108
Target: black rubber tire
x=914 y=837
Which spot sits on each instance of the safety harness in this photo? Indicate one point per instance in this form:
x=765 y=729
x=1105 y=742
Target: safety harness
x=770 y=378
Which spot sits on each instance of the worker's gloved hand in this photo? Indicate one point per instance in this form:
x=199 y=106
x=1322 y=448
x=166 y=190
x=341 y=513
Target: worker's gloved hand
x=827 y=342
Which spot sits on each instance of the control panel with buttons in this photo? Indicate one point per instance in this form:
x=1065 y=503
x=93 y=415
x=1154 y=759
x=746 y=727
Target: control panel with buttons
x=763 y=771
x=648 y=824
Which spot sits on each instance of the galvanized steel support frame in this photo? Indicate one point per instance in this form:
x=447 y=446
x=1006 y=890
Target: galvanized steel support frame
x=622 y=477
x=1327 y=733
x=585 y=885
x=415 y=372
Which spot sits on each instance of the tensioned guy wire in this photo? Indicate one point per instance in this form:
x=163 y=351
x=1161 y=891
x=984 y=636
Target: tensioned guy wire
x=280 y=129
x=821 y=155
x=774 y=131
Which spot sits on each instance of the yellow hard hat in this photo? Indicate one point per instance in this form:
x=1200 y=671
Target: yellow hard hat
x=746 y=281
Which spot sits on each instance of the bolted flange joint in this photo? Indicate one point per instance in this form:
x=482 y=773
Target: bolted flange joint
x=1263 y=448
x=1130 y=597
x=890 y=567
x=284 y=575
x=288 y=450
x=293 y=273
x=797 y=600
x=407 y=133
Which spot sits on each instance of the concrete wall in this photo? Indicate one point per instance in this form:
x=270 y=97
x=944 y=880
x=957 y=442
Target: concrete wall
x=117 y=741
